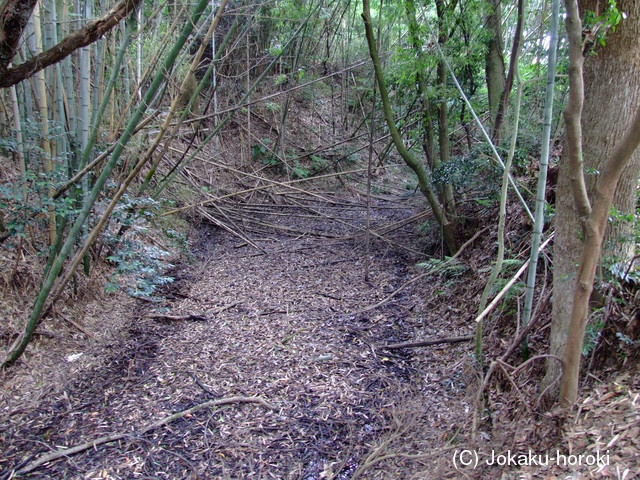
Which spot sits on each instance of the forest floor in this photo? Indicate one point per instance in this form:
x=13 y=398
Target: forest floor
x=270 y=362
x=266 y=357
x=289 y=324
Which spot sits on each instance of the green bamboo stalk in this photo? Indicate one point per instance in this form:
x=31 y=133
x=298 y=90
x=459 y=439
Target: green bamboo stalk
x=98 y=82
x=18 y=347
x=83 y=92
x=538 y=223
x=151 y=65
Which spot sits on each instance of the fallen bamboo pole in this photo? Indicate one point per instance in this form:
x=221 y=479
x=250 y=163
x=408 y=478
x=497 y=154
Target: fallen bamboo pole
x=428 y=343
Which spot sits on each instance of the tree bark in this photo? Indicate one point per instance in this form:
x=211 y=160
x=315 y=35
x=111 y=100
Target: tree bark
x=13 y=21
x=494 y=60
x=14 y=15
x=612 y=93
x=608 y=109
x=594 y=234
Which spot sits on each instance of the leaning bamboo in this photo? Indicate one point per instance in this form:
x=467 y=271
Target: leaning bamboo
x=242 y=101
x=508 y=286
x=47 y=285
x=98 y=114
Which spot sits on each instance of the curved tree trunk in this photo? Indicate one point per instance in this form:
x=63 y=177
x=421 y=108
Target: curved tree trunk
x=612 y=94
x=422 y=173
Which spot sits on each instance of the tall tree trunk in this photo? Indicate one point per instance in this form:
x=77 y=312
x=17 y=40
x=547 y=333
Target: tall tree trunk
x=494 y=59
x=608 y=109
x=446 y=191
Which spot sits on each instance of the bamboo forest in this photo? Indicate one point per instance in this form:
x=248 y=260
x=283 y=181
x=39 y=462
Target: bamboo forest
x=319 y=239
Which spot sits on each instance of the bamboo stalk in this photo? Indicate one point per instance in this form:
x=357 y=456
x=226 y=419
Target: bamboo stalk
x=17 y=124
x=538 y=224
x=47 y=285
x=43 y=106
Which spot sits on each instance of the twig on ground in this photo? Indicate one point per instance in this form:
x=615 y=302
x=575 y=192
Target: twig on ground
x=201 y=384
x=427 y=343
x=50 y=457
x=190 y=316
x=76 y=325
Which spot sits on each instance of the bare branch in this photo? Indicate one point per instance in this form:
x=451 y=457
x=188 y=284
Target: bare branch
x=88 y=34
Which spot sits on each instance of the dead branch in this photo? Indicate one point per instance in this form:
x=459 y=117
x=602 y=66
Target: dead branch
x=50 y=457
x=88 y=34
x=427 y=343
x=177 y=318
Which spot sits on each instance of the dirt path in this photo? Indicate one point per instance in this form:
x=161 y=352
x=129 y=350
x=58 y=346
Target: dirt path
x=282 y=325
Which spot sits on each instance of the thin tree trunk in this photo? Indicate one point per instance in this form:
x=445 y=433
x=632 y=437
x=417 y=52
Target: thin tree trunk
x=494 y=61
x=513 y=65
x=424 y=177
x=443 y=112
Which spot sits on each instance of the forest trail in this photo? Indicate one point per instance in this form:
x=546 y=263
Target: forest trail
x=281 y=325
x=285 y=324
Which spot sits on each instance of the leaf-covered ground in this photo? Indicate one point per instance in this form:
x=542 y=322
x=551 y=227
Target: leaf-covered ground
x=288 y=324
